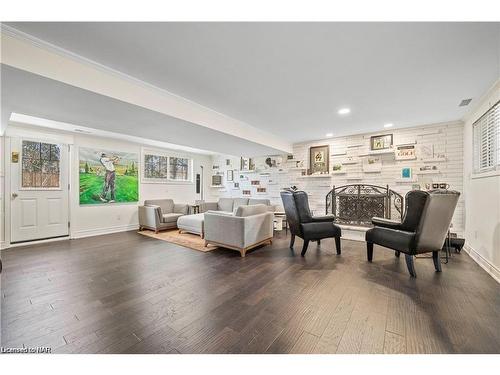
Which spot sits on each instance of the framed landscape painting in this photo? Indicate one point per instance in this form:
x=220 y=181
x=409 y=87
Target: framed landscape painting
x=108 y=177
x=380 y=142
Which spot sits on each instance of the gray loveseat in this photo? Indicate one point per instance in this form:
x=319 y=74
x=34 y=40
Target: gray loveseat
x=159 y=214
x=230 y=204
x=248 y=227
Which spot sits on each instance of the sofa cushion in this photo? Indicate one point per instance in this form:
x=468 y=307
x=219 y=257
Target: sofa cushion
x=170 y=218
x=166 y=205
x=239 y=202
x=253 y=201
x=225 y=204
x=244 y=211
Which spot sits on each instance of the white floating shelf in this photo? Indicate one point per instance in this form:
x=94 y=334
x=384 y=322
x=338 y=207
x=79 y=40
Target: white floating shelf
x=382 y=152
x=349 y=162
x=355 y=145
x=406 y=180
x=433 y=160
x=338 y=172
x=354 y=177
x=217 y=186
x=254 y=171
x=297 y=169
x=338 y=154
x=432 y=171
x=315 y=176
x=373 y=171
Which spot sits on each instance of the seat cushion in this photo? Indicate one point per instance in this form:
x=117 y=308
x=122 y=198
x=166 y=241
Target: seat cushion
x=253 y=201
x=170 y=218
x=191 y=223
x=393 y=239
x=239 y=202
x=166 y=205
x=317 y=231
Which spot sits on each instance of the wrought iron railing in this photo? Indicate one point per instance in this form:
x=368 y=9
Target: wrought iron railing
x=356 y=204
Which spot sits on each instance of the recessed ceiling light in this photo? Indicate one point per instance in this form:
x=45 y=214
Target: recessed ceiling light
x=344 y=111
x=329 y=135
x=388 y=125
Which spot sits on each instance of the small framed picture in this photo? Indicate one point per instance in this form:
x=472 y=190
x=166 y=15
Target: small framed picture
x=380 y=142
x=230 y=175
x=406 y=173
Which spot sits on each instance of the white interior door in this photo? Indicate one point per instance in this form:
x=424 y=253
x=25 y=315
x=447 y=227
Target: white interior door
x=39 y=188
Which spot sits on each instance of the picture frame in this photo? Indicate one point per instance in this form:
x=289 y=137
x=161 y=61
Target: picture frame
x=405 y=152
x=319 y=159
x=381 y=142
x=247 y=164
x=230 y=175
x=406 y=173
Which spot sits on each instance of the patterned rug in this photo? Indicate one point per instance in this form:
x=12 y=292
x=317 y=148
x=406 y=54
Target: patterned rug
x=191 y=241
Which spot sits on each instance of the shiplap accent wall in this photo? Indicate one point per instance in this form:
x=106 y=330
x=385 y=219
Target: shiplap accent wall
x=446 y=138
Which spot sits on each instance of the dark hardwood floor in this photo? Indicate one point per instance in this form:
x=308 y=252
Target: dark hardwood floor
x=126 y=293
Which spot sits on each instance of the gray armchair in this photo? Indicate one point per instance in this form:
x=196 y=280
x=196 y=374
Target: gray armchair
x=159 y=214
x=249 y=227
x=423 y=228
x=230 y=204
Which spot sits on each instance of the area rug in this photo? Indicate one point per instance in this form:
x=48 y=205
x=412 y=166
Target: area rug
x=191 y=241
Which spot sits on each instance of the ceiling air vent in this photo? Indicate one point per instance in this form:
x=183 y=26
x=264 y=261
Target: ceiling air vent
x=465 y=102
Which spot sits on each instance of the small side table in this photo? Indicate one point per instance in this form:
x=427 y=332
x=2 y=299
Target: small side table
x=281 y=222
x=194 y=208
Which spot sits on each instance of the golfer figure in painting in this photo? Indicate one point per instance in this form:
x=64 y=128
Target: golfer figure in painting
x=109 y=178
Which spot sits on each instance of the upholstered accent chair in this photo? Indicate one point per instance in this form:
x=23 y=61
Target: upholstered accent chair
x=423 y=229
x=249 y=227
x=302 y=224
x=160 y=214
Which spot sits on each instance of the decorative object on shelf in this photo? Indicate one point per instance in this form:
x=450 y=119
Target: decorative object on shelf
x=372 y=164
x=108 y=177
x=230 y=175
x=351 y=160
x=289 y=157
x=406 y=152
x=440 y=156
x=236 y=185
x=261 y=190
x=217 y=180
x=215 y=167
x=415 y=187
x=228 y=162
x=443 y=185
x=247 y=164
x=425 y=151
x=255 y=182
x=380 y=142
x=273 y=161
x=429 y=169
x=337 y=167
x=319 y=159
x=406 y=173
x=246 y=192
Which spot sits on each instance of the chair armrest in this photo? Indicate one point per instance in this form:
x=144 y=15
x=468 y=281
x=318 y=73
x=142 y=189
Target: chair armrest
x=224 y=229
x=208 y=206
x=317 y=219
x=258 y=228
x=150 y=216
x=386 y=223
x=181 y=208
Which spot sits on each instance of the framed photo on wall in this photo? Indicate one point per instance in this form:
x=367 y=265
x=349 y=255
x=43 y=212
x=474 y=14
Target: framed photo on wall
x=380 y=142
x=406 y=173
x=319 y=159
x=230 y=175
x=405 y=152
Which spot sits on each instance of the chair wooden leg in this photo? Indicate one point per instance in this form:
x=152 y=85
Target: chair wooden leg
x=156 y=231
x=292 y=241
x=397 y=253
x=411 y=265
x=437 y=260
x=337 y=245
x=304 y=247
x=369 y=251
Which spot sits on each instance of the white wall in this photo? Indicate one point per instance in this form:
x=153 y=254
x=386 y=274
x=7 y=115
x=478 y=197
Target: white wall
x=482 y=207
x=99 y=219
x=447 y=138
x=2 y=192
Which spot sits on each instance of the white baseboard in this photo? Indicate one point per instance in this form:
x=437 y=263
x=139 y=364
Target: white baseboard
x=484 y=263
x=101 y=231
x=4 y=245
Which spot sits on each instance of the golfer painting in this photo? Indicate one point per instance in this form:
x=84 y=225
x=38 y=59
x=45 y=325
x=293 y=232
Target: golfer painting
x=108 y=177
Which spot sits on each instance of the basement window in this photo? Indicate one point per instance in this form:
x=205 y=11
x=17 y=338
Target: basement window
x=486 y=141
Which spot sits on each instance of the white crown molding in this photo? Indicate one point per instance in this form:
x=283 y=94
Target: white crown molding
x=25 y=52
x=488 y=99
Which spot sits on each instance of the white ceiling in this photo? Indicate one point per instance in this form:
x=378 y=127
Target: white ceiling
x=291 y=78
x=33 y=95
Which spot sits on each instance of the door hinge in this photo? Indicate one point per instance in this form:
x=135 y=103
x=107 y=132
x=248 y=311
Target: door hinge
x=69 y=224
x=69 y=187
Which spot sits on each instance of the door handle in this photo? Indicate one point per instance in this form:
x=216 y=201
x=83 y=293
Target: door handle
x=14 y=195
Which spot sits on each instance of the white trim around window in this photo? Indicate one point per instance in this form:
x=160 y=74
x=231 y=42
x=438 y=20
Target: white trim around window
x=486 y=143
x=164 y=167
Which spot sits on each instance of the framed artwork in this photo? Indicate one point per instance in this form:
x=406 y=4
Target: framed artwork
x=319 y=159
x=247 y=164
x=406 y=173
x=236 y=185
x=372 y=164
x=247 y=192
x=405 y=152
x=261 y=190
x=230 y=175
x=217 y=180
x=337 y=167
x=255 y=182
x=108 y=177
x=380 y=142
